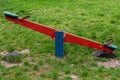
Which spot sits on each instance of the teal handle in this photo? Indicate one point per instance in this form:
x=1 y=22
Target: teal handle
x=10 y=14
x=112 y=46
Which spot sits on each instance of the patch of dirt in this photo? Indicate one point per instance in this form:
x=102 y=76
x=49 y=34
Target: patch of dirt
x=7 y=64
x=109 y=63
x=24 y=51
x=3 y=53
x=74 y=77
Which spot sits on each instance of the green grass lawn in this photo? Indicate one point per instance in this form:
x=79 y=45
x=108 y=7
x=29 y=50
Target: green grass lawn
x=94 y=19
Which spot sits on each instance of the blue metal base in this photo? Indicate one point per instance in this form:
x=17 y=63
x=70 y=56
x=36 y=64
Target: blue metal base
x=59 y=44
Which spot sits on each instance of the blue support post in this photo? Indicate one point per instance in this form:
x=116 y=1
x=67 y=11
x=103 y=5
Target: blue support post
x=59 y=44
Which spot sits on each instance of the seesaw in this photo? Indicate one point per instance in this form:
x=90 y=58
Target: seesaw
x=104 y=49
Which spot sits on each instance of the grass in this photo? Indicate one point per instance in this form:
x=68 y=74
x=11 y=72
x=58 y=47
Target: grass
x=93 y=19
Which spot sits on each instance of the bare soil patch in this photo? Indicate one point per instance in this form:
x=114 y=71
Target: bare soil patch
x=7 y=64
x=110 y=63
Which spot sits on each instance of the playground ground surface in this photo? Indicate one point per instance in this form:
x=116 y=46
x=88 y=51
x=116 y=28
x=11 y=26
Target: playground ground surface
x=94 y=19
